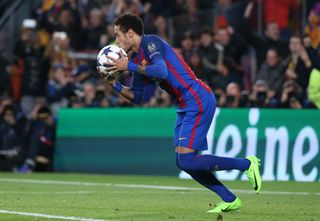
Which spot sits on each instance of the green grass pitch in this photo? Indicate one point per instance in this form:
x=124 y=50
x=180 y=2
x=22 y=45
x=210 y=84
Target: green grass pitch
x=128 y=198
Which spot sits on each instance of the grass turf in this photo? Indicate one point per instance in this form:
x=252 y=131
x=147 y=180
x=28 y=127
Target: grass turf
x=112 y=198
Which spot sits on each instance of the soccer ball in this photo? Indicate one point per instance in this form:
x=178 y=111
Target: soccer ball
x=111 y=51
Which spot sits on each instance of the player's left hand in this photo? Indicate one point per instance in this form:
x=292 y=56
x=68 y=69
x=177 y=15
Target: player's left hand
x=106 y=77
x=120 y=64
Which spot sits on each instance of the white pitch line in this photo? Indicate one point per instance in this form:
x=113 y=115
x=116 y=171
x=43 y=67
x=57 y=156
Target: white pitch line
x=267 y=192
x=75 y=183
x=49 y=216
x=140 y=186
x=48 y=192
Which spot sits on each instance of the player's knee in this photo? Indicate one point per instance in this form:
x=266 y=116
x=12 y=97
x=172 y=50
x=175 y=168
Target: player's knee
x=184 y=161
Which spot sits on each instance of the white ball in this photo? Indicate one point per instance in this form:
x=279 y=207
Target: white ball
x=111 y=51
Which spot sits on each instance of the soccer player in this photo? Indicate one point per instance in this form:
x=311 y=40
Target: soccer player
x=154 y=58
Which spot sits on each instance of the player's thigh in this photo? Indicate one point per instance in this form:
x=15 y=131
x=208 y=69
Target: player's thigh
x=179 y=120
x=194 y=129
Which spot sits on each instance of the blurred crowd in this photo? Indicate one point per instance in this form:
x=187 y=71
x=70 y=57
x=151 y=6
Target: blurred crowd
x=54 y=62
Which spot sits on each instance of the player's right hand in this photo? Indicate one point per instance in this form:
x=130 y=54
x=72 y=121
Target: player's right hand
x=118 y=65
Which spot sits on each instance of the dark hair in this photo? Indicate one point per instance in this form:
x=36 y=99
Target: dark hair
x=6 y=108
x=188 y=35
x=127 y=21
x=206 y=30
x=43 y=112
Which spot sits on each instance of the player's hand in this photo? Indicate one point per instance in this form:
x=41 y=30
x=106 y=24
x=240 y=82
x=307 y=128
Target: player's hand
x=119 y=65
x=109 y=79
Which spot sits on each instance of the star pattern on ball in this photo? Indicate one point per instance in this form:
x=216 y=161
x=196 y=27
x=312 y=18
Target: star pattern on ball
x=107 y=50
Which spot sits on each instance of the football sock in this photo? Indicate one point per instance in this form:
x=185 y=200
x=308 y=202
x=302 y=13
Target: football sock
x=192 y=161
x=208 y=180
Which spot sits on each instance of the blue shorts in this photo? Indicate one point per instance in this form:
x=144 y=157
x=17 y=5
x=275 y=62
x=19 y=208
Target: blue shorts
x=192 y=126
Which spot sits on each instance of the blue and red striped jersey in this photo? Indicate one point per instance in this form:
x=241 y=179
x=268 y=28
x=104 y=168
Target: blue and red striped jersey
x=179 y=80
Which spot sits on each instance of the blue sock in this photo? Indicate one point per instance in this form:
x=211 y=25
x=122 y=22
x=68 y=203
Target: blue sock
x=208 y=180
x=192 y=161
x=200 y=166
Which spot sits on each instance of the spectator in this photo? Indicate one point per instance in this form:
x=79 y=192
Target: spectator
x=262 y=44
x=60 y=87
x=82 y=72
x=89 y=94
x=210 y=55
x=41 y=143
x=32 y=66
x=107 y=37
x=234 y=96
x=161 y=26
x=221 y=19
x=12 y=137
x=313 y=27
x=280 y=12
x=119 y=7
x=230 y=48
x=94 y=30
x=190 y=21
x=187 y=46
x=4 y=101
x=68 y=22
x=312 y=52
x=227 y=13
x=272 y=72
x=261 y=96
x=57 y=50
x=196 y=64
x=62 y=16
x=299 y=63
x=177 y=8
x=220 y=97
x=291 y=96
x=75 y=100
x=5 y=86
x=102 y=97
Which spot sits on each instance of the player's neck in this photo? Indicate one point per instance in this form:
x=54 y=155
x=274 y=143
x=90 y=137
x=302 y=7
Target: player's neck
x=136 y=43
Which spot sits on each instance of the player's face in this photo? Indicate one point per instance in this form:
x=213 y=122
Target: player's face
x=122 y=39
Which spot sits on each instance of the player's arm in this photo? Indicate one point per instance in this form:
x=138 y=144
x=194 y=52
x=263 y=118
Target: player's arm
x=158 y=68
x=155 y=53
x=123 y=90
x=134 y=94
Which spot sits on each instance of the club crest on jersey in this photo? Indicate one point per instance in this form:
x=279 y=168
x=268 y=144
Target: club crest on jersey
x=144 y=62
x=152 y=47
